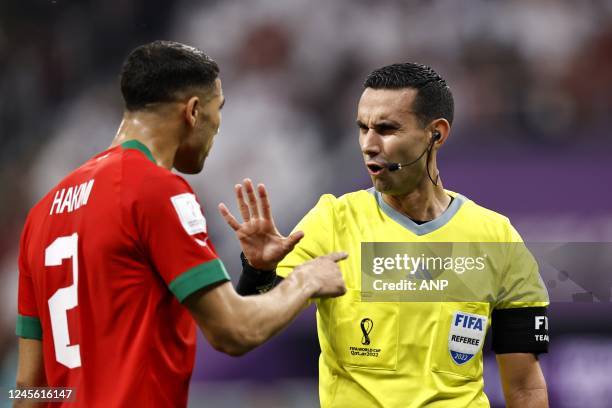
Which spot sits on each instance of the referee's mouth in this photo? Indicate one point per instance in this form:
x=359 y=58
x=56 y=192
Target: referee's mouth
x=375 y=168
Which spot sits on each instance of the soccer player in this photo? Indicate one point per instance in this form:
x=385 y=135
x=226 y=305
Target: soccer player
x=404 y=354
x=115 y=262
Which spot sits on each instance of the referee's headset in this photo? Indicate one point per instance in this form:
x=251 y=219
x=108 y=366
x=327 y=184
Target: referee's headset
x=435 y=136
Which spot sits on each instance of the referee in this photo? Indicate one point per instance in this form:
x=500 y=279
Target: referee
x=405 y=354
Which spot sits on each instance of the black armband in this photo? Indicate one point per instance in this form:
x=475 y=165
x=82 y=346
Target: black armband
x=254 y=281
x=520 y=330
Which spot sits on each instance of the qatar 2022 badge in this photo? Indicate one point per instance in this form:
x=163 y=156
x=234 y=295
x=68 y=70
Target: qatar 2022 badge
x=467 y=333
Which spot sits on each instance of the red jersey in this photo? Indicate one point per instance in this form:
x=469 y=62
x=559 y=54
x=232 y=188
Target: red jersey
x=105 y=260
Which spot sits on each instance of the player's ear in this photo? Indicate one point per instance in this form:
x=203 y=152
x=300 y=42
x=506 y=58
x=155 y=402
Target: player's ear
x=191 y=110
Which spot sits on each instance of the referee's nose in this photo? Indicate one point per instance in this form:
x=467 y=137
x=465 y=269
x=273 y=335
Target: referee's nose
x=370 y=143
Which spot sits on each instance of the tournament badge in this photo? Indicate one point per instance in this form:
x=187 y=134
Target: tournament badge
x=467 y=333
x=366 y=327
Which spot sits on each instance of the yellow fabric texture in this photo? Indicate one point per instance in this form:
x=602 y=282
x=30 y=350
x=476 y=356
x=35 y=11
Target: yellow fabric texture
x=407 y=362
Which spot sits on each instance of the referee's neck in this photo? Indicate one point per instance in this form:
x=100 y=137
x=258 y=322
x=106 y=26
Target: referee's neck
x=424 y=203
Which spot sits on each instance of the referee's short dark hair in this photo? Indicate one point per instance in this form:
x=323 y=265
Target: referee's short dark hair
x=157 y=71
x=434 y=98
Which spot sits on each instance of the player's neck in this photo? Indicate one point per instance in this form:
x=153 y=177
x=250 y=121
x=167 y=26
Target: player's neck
x=426 y=202
x=151 y=130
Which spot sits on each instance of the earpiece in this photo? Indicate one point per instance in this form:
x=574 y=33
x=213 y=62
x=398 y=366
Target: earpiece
x=436 y=135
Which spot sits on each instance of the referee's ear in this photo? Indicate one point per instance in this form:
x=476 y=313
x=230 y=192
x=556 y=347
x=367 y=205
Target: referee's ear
x=442 y=127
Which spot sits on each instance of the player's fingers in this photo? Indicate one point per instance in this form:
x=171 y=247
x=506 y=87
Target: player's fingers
x=228 y=217
x=293 y=239
x=252 y=201
x=336 y=256
x=266 y=211
x=242 y=205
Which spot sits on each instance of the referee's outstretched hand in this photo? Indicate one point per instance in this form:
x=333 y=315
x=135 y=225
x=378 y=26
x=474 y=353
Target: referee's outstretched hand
x=323 y=272
x=263 y=246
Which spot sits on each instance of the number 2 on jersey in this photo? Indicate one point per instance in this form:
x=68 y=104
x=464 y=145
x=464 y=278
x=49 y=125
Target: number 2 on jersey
x=64 y=299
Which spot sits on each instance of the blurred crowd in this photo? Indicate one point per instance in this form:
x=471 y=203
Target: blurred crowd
x=522 y=71
x=526 y=75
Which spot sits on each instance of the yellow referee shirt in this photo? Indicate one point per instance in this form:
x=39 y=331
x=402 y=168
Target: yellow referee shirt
x=396 y=354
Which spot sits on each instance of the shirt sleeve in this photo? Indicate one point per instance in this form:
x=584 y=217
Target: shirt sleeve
x=318 y=228
x=28 y=321
x=521 y=284
x=172 y=228
x=519 y=318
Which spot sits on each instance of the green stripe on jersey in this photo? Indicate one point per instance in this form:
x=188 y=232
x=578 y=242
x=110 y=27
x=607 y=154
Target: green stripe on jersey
x=197 y=278
x=135 y=144
x=28 y=327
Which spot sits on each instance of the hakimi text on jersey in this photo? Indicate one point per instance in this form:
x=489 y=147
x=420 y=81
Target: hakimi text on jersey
x=71 y=198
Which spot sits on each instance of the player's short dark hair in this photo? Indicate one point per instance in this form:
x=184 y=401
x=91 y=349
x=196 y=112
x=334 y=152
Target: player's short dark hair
x=157 y=71
x=434 y=98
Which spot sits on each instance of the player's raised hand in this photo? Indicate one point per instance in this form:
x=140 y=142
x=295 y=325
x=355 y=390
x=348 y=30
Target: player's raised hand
x=325 y=275
x=262 y=244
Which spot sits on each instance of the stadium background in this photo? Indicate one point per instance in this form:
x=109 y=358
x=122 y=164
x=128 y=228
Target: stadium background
x=532 y=81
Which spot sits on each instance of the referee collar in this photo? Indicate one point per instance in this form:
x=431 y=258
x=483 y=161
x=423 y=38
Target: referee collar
x=426 y=227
